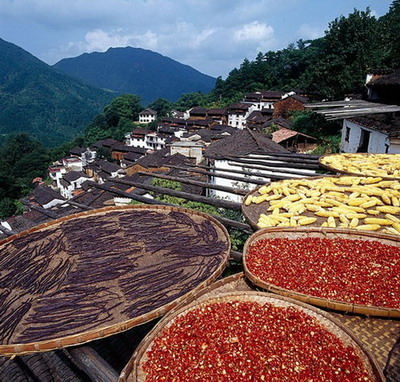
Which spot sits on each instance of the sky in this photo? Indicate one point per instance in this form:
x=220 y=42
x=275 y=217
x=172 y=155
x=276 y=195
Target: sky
x=213 y=36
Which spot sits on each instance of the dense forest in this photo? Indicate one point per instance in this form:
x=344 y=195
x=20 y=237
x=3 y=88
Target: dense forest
x=326 y=68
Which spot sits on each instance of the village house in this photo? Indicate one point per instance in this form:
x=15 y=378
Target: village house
x=238 y=113
x=120 y=151
x=289 y=104
x=190 y=149
x=45 y=197
x=378 y=133
x=56 y=172
x=200 y=113
x=294 y=140
x=257 y=118
x=71 y=182
x=158 y=161
x=137 y=138
x=242 y=144
x=101 y=170
x=85 y=154
x=264 y=99
x=384 y=86
x=147 y=116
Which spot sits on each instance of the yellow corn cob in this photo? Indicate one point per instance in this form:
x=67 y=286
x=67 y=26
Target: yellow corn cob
x=353 y=223
x=275 y=211
x=354 y=195
x=358 y=216
x=373 y=212
x=356 y=201
x=333 y=202
x=395 y=201
x=293 y=222
x=392 y=218
x=248 y=200
x=391 y=231
x=306 y=221
x=343 y=225
x=278 y=219
x=389 y=209
x=325 y=224
x=377 y=221
x=396 y=226
x=343 y=219
x=331 y=222
x=273 y=197
x=264 y=189
x=371 y=180
x=386 y=199
x=327 y=214
x=312 y=207
x=370 y=203
x=368 y=227
x=293 y=198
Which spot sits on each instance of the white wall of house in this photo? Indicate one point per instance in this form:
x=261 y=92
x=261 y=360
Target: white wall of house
x=227 y=165
x=146 y=118
x=66 y=192
x=352 y=134
x=73 y=163
x=239 y=120
x=120 y=201
x=154 y=141
x=53 y=203
x=136 y=142
x=57 y=175
x=188 y=149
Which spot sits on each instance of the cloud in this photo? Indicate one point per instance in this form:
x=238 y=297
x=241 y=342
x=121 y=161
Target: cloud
x=309 y=32
x=99 y=40
x=254 y=31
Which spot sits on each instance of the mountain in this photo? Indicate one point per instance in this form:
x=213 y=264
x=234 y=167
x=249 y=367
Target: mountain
x=138 y=71
x=41 y=101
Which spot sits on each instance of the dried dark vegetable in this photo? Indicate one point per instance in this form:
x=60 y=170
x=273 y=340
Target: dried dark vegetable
x=102 y=269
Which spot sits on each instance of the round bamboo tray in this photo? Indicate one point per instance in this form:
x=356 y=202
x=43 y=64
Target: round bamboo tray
x=133 y=372
x=100 y=272
x=252 y=212
x=328 y=233
x=368 y=158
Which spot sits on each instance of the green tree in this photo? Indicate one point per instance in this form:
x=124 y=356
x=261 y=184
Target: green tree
x=350 y=47
x=389 y=35
x=162 y=106
x=126 y=106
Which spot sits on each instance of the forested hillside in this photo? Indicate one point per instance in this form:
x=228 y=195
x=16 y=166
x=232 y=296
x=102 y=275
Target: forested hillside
x=328 y=67
x=38 y=100
x=137 y=71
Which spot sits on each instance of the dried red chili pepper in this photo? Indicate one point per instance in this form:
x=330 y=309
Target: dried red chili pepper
x=241 y=341
x=362 y=272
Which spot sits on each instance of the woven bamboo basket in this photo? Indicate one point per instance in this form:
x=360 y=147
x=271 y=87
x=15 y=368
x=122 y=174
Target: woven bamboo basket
x=133 y=372
x=252 y=212
x=328 y=233
x=364 y=173
x=177 y=291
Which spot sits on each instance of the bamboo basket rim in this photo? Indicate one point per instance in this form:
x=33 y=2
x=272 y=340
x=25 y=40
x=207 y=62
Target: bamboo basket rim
x=246 y=209
x=369 y=310
x=11 y=350
x=335 y=169
x=325 y=319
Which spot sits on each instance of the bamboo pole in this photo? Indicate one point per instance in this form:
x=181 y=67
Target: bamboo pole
x=180 y=194
x=231 y=190
x=228 y=222
x=234 y=178
x=269 y=163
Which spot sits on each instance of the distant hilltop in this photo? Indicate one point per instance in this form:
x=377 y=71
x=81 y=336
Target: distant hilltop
x=147 y=74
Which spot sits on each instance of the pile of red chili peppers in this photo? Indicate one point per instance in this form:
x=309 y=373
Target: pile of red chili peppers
x=242 y=341
x=351 y=271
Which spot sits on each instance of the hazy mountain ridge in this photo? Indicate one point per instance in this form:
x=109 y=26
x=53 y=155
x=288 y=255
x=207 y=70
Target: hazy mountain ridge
x=147 y=74
x=41 y=101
